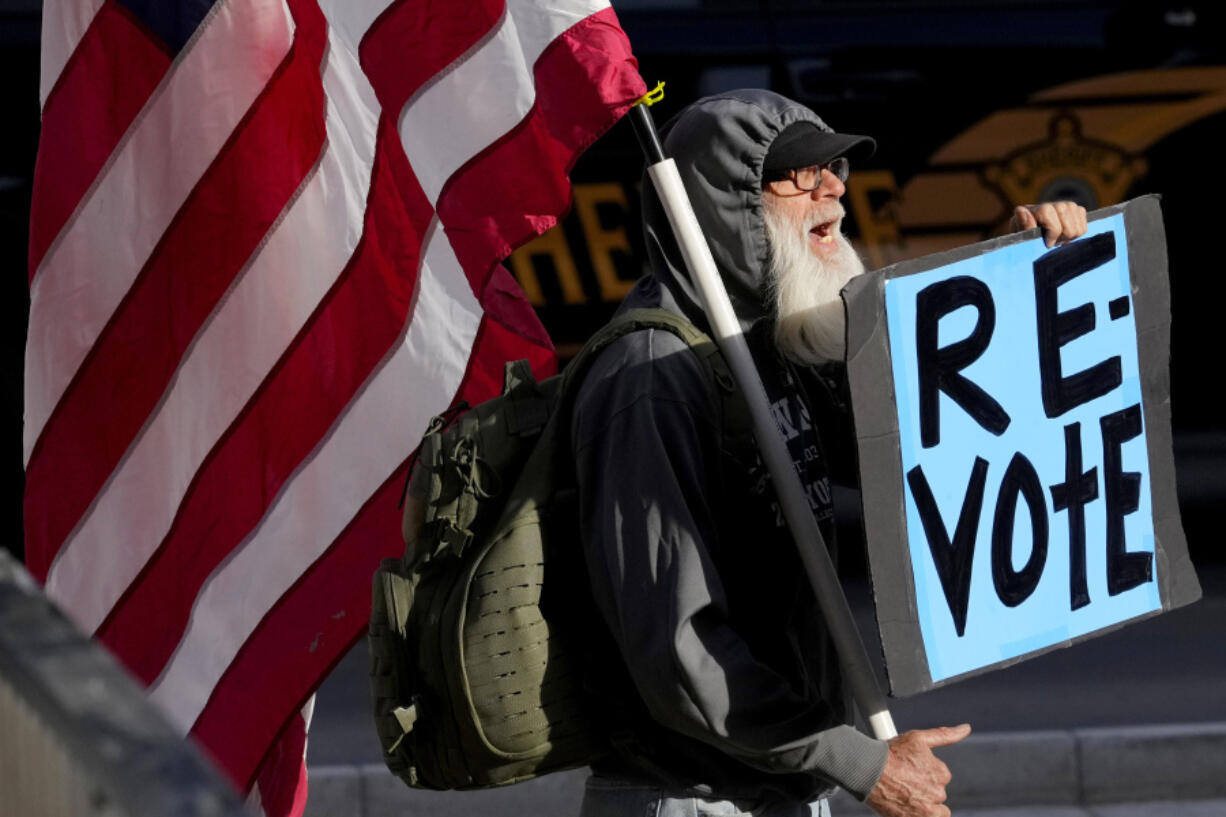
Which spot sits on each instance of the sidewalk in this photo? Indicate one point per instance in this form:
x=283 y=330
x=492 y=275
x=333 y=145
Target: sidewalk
x=1138 y=771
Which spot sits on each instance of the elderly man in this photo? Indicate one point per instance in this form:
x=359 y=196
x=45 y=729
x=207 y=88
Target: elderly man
x=723 y=692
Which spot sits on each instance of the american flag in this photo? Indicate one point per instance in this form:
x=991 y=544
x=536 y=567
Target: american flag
x=265 y=248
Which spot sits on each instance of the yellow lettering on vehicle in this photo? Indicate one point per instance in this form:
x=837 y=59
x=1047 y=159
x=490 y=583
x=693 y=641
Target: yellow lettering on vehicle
x=549 y=248
x=603 y=242
x=878 y=226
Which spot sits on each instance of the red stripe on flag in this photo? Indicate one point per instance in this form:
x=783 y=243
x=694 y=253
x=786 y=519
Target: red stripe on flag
x=410 y=43
x=104 y=85
x=494 y=346
x=316 y=621
x=228 y=214
x=585 y=80
x=360 y=319
x=282 y=779
x=504 y=301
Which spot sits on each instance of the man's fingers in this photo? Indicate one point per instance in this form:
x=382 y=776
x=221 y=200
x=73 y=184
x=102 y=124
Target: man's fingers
x=1023 y=218
x=1049 y=219
x=944 y=735
x=1043 y=216
x=944 y=775
x=1060 y=221
x=1079 y=224
x=1068 y=222
x=1072 y=220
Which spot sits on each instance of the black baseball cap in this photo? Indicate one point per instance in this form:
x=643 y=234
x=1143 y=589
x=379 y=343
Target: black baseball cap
x=802 y=144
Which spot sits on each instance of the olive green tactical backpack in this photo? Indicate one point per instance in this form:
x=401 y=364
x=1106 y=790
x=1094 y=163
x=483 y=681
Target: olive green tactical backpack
x=477 y=633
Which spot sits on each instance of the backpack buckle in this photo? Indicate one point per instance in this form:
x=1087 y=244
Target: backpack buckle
x=452 y=540
x=406 y=718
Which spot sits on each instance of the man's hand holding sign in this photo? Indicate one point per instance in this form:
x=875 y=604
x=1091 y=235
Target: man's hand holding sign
x=1061 y=221
x=914 y=780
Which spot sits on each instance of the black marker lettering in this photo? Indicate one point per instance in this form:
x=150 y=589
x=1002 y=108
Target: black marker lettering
x=1056 y=328
x=1014 y=587
x=952 y=560
x=1122 y=491
x=1119 y=308
x=1077 y=489
x=938 y=366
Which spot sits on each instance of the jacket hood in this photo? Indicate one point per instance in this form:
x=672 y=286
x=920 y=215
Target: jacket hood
x=719 y=144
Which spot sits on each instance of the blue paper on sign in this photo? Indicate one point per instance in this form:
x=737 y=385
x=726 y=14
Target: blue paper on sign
x=1021 y=598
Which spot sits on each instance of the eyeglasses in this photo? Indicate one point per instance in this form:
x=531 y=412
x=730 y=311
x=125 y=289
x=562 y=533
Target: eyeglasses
x=809 y=178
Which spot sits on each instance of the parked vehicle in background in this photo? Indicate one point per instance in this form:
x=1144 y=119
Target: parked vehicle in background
x=976 y=106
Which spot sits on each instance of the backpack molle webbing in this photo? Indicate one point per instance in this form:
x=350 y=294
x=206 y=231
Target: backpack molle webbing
x=476 y=633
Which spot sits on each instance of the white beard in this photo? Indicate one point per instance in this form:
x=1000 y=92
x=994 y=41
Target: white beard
x=809 y=322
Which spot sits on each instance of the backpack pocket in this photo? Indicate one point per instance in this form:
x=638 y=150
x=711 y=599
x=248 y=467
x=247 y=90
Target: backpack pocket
x=391 y=664
x=521 y=674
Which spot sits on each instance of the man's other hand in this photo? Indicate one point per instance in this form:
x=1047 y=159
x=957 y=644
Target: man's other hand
x=1062 y=221
x=914 y=779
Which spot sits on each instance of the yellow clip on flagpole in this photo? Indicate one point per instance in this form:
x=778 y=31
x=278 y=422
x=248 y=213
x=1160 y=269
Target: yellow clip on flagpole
x=651 y=97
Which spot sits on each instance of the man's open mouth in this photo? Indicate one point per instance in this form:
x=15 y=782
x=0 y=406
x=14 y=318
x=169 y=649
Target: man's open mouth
x=824 y=232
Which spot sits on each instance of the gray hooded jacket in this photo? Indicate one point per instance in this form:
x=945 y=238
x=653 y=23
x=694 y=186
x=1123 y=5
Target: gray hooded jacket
x=718 y=671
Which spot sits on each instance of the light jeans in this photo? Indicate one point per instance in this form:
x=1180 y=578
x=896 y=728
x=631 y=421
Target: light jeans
x=611 y=797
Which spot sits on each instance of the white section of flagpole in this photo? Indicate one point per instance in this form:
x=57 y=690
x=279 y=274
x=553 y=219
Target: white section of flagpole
x=805 y=532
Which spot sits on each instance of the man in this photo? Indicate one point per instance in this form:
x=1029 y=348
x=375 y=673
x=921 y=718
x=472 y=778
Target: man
x=724 y=694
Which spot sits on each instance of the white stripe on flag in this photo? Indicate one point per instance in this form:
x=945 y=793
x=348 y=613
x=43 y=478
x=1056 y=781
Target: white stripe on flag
x=287 y=277
x=255 y=803
x=64 y=24
x=82 y=279
x=350 y=19
x=308 y=712
x=354 y=459
x=495 y=83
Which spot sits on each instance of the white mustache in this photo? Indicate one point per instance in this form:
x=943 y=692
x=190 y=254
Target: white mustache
x=832 y=214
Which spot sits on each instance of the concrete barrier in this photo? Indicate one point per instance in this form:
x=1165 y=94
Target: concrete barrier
x=78 y=737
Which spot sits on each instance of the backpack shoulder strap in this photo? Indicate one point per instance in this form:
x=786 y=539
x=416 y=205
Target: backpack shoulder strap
x=737 y=428
x=637 y=320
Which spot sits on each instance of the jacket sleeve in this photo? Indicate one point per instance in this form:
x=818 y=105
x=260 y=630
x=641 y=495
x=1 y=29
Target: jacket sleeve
x=646 y=435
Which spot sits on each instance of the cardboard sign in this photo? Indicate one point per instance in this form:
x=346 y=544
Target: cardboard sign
x=1019 y=488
